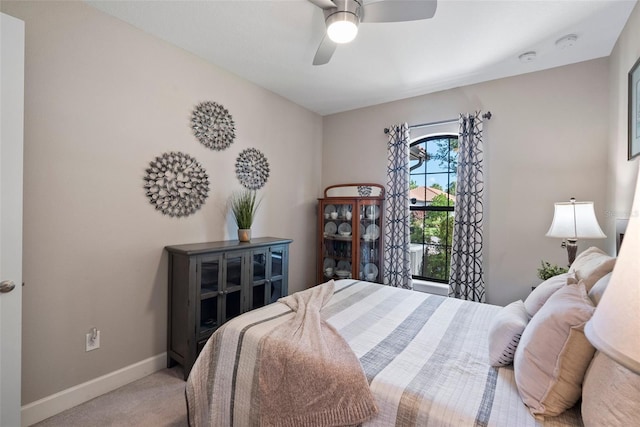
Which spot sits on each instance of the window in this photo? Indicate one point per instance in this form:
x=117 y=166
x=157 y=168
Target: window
x=433 y=161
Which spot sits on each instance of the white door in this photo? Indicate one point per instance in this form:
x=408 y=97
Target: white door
x=11 y=132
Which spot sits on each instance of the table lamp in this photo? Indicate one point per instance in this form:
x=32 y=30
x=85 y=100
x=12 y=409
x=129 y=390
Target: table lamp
x=572 y=221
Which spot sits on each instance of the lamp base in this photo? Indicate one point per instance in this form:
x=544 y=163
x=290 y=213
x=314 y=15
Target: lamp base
x=572 y=249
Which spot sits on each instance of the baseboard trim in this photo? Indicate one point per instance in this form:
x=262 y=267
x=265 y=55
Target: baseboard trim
x=51 y=405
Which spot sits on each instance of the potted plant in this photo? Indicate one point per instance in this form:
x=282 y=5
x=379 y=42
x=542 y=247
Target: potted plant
x=244 y=205
x=548 y=270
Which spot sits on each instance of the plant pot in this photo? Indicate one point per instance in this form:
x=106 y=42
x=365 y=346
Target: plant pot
x=244 y=234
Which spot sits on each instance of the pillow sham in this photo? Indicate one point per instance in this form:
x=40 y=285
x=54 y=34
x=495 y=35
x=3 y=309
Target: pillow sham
x=597 y=274
x=505 y=331
x=598 y=289
x=590 y=265
x=553 y=353
x=610 y=394
x=544 y=290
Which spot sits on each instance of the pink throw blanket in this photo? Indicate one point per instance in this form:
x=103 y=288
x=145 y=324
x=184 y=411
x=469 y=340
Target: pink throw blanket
x=308 y=374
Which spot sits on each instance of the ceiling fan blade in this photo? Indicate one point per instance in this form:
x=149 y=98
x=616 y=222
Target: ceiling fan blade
x=399 y=10
x=323 y=4
x=325 y=51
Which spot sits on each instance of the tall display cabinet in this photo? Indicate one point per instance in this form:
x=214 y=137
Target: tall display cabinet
x=350 y=232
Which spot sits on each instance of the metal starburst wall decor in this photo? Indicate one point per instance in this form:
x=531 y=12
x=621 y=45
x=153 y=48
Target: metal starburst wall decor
x=176 y=184
x=252 y=169
x=213 y=125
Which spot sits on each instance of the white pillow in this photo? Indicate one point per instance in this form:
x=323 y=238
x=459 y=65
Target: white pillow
x=553 y=354
x=544 y=290
x=590 y=265
x=598 y=289
x=505 y=331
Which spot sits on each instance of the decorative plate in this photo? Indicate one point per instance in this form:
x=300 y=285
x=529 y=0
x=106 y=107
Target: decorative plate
x=344 y=228
x=370 y=269
x=176 y=184
x=330 y=228
x=364 y=190
x=213 y=125
x=252 y=169
x=373 y=212
x=329 y=208
x=329 y=263
x=344 y=265
x=373 y=231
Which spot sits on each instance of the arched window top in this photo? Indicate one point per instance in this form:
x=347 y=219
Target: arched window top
x=433 y=160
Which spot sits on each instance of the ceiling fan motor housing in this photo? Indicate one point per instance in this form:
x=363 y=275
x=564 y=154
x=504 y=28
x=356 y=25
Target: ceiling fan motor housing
x=342 y=21
x=353 y=7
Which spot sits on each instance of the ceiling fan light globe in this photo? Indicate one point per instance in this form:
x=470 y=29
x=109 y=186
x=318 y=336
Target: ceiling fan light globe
x=342 y=27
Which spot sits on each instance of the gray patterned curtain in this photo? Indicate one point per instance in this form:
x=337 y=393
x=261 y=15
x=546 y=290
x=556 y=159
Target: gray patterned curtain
x=397 y=260
x=466 y=280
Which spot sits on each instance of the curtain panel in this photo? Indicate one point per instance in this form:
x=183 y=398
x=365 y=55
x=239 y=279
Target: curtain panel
x=397 y=259
x=466 y=280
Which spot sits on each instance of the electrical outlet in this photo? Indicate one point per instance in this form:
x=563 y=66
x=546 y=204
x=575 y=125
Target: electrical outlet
x=93 y=341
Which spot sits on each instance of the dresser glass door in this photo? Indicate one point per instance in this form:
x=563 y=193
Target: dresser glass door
x=209 y=286
x=232 y=289
x=277 y=278
x=259 y=279
x=338 y=235
x=370 y=240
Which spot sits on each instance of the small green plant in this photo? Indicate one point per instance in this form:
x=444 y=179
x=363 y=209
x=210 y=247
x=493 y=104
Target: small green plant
x=244 y=205
x=548 y=270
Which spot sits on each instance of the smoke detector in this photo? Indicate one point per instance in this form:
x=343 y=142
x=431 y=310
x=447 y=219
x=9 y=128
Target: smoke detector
x=528 y=56
x=566 y=41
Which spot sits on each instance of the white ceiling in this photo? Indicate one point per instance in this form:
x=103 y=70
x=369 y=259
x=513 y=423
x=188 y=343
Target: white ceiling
x=272 y=44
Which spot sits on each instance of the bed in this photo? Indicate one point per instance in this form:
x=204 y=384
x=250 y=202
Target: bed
x=424 y=356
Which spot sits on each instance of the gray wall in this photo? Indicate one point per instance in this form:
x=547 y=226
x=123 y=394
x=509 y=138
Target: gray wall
x=102 y=100
x=622 y=173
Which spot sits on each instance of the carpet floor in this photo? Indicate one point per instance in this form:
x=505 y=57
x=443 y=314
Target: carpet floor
x=157 y=400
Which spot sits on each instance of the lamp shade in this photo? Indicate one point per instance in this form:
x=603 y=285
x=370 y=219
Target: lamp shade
x=614 y=328
x=575 y=220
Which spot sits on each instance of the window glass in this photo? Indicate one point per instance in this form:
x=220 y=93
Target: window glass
x=433 y=162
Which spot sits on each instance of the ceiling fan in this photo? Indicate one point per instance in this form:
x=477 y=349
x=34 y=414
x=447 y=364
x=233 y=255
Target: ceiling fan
x=343 y=16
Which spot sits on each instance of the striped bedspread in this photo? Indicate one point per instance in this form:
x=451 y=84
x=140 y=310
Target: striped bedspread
x=425 y=357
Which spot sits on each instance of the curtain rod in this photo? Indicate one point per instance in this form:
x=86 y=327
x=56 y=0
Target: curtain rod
x=486 y=115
